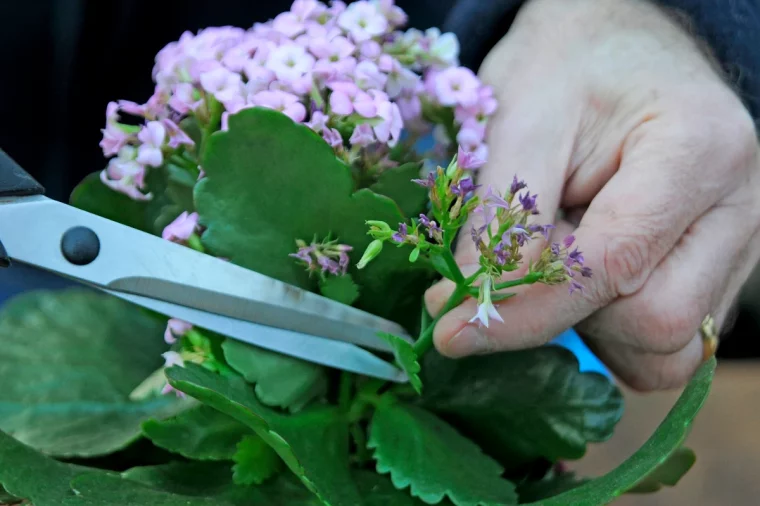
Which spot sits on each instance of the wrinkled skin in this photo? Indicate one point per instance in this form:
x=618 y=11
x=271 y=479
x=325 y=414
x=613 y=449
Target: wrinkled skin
x=612 y=112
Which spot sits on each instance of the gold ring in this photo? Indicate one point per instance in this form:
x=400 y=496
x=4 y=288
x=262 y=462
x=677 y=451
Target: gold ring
x=709 y=332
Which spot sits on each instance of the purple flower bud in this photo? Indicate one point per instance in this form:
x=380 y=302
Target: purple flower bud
x=575 y=286
x=576 y=257
x=400 y=236
x=464 y=187
x=343 y=261
x=516 y=185
x=502 y=253
x=431 y=225
x=304 y=254
x=555 y=249
x=568 y=241
x=475 y=234
x=519 y=232
x=542 y=229
x=586 y=272
x=528 y=203
x=426 y=183
x=328 y=265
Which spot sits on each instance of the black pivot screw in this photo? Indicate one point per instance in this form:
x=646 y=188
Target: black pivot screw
x=80 y=245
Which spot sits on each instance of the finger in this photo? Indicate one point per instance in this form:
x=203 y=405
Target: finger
x=700 y=275
x=647 y=372
x=626 y=231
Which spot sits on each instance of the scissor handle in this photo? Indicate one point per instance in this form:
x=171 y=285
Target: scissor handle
x=15 y=181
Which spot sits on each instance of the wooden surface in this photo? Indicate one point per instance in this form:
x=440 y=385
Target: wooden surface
x=725 y=437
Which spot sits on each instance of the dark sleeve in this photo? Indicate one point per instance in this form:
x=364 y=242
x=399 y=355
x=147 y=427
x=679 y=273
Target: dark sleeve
x=730 y=27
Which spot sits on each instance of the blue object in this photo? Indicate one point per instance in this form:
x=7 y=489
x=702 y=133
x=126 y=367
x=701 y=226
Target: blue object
x=589 y=362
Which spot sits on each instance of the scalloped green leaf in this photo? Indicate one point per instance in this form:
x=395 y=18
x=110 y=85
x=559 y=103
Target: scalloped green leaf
x=108 y=490
x=396 y=183
x=200 y=433
x=340 y=288
x=525 y=405
x=68 y=363
x=313 y=443
x=255 y=462
x=665 y=441
x=280 y=380
x=406 y=358
x=423 y=452
x=270 y=181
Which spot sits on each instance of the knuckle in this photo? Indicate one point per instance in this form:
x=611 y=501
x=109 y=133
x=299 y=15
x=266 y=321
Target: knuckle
x=661 y=374
x=626 y=263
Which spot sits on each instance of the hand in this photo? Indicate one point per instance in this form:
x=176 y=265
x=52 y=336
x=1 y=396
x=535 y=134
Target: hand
x=610 y=107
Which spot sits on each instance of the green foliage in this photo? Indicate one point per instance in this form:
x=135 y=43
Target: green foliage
x=422 y=451
x=62 y=378
x=280 y=380
x=548 y=486
x=313 y=443
x=665 y=441
x=396 y=184
x=340 y=288
x=281 y=194
x=666 y=474
x=523 y=405
x=406 y=358
x=200 y=433
x=255 y=462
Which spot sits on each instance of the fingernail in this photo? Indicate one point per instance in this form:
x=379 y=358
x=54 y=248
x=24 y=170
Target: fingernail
x=469 y=341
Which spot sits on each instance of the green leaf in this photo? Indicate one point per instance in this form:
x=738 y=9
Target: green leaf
x=524 y=405
x=396 y=183
x=260 y=195
x=340 y=288
x=255 y=462
x=213 y=479
x=378 y=490
x=313 y=443
x=668 y=473
x=406 y=358
x=68 y=363
x=665 y=441
x=422 y=451
x=201 y=433
x=108 y=490
x=280 y=380
x=6 y=498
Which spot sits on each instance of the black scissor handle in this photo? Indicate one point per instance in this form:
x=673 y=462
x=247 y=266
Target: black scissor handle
x=15 y=181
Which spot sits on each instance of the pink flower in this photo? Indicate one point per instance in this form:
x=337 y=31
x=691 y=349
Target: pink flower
x=471 y=133
x=362 y=136
x=457 y=86
x=125 y=175
x=177 y=136
x=389 y=130
x=224 y=85
x=468 y=161
x=370 y=50
x=259 y=78
x=485 y=106
x=152 y=136
x=293 y=22
x=400 y=78
x=443 y=48
x=181 y=228
x=409 y=105
x=183 y=100
x=176 y=328
x=284 y=102
x=290 y=62
x=335 y=71
x=318 y=121
x=332 y=137
x=347 y=98
x=363 y=21
x=393 y=13
x=114 y=137
x=332 y=49
x=368 y=76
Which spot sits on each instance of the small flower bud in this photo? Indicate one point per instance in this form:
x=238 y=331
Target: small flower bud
x=374 y=249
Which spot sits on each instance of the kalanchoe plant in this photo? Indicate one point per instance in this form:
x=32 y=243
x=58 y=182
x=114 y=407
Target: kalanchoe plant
x=249 y=137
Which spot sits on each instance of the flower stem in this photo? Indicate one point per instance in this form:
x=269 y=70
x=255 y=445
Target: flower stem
x=456 y=273
x=345 y=390
x=528 y=279
x=425 y=342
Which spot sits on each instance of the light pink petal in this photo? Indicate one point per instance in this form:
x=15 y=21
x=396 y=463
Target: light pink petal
x=340 y=103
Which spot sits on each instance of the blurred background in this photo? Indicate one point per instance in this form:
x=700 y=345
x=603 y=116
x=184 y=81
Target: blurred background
x=64 y=60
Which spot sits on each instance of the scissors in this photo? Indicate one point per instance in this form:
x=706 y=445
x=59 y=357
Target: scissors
x=180 y=282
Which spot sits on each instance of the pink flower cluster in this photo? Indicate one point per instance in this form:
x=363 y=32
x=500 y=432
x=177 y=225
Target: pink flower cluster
x=346 y=71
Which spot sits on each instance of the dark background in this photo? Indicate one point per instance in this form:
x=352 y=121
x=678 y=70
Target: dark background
x=62 y=61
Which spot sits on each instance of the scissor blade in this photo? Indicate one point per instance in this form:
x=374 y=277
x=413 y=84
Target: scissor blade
x=134 y=262
x=320 y=350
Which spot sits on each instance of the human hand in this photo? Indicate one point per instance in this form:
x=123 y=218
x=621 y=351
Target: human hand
x=610 y=110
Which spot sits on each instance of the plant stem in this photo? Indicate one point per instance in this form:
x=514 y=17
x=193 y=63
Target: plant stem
x=528 y=279
x=425 y=342
x=456 y=273
x=345 y=390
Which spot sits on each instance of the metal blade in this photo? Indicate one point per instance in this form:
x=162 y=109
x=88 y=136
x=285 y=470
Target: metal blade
x=311 y=348
x=133 y=262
